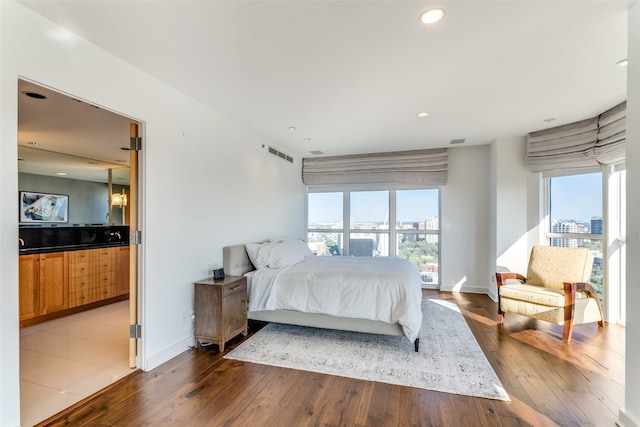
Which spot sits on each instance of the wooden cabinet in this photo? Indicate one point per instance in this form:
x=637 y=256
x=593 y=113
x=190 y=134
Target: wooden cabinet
x=122 y=271
x=64 y=282
x=92 y=275
x=44 y=284
x=220 y=309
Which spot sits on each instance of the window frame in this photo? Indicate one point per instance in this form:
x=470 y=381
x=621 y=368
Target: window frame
x=392 y=232
x=612 y=232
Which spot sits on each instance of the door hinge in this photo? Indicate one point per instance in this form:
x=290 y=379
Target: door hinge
x=136 y=143
x=135 y=237
x=135 y=331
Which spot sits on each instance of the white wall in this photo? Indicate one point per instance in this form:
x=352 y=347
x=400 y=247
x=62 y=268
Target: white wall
x=465 y=226
x=630 y=414
x=512 y=206
x=207 y=182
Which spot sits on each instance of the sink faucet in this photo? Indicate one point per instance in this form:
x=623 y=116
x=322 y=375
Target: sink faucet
x=21 y=241
x=116 y=233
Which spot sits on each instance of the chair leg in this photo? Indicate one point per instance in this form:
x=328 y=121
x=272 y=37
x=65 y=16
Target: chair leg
x=568 y=328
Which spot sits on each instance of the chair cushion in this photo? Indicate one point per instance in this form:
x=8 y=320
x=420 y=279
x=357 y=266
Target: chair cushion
x=551 y=266
x=536 y=294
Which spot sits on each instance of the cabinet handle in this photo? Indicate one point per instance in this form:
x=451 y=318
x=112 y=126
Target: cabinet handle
x=236 y=288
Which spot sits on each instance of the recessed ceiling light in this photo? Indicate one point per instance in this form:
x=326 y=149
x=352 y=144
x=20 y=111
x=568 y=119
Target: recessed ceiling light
x=34 y=95
x=34 y=143
x=307 y=139
x=61 y=174
x=423 y=114
x=550 y=119
x=431 y=16
x=292 y=128
x=622 y=63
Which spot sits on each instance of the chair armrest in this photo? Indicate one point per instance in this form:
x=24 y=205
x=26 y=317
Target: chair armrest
x=501 y=278
x=581 y=286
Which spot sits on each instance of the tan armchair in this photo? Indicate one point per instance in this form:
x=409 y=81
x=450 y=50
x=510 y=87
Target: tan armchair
x=556 y=289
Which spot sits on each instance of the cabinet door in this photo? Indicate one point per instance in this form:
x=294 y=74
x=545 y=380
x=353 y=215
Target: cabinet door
x=54 y=282
x=235 y=313
x=28 y=279
x=122 y=271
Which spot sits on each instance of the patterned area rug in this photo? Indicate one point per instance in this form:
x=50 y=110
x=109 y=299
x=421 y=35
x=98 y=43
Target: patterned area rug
x=450 y=359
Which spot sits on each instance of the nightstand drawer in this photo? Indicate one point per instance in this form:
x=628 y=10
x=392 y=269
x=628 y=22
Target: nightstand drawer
x=238 y=286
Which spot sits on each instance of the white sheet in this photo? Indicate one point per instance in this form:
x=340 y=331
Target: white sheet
x=383 y=289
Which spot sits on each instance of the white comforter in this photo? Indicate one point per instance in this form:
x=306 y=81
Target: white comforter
x=384 y=289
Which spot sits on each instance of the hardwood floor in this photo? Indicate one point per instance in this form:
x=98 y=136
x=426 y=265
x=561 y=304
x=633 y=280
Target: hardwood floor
x=549 y=382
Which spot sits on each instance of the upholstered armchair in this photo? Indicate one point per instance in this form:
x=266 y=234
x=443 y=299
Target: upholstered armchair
x=556 y=289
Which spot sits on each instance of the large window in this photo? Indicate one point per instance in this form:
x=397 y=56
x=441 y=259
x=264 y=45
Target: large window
x=397 y=223
x=575 y=218
x=587 y=210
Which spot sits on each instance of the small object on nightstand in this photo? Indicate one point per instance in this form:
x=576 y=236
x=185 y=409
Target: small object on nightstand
x=218 y=273
x=220 y=307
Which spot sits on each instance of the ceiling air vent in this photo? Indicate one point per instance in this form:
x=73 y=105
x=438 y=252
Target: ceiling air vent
x=280 y=154
x=457 y=141
x=316 y=152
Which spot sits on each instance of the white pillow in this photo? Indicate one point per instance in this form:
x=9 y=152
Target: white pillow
x=277 y=254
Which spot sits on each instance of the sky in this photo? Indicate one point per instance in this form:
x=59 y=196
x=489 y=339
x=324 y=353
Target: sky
x=577 y=197
x=412 y=206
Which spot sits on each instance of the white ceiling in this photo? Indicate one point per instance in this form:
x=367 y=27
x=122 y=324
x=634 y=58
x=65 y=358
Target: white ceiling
x=60 y=134
x=352 y=75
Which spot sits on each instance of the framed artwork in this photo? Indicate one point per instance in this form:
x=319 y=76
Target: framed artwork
x=43 y=207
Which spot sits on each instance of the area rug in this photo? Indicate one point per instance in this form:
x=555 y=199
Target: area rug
x=450 y=359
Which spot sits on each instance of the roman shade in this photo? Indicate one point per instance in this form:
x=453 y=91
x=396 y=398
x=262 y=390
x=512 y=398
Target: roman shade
x=612 y=124
x=563 y=147
x=415 y=167
x=587 y=143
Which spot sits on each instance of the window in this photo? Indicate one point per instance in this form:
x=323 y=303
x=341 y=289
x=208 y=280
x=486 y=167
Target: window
x=397 y=223
x=576 y=219
x=325 y=223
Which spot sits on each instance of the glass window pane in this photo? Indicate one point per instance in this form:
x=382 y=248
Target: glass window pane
x=369 y=244
x=422 y=250
x=325 y=211
x=575 y=205
x=417 y=210
x=370 y=210
x=325 y=244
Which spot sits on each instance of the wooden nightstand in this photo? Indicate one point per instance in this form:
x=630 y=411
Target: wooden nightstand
x=220 y=310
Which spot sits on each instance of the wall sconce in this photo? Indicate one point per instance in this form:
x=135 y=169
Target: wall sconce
x=118 y=199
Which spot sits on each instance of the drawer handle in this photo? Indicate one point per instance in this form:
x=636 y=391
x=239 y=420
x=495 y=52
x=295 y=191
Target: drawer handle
x=236 y=288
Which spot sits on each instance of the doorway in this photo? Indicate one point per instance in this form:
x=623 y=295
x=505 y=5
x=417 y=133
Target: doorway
x=70 y=147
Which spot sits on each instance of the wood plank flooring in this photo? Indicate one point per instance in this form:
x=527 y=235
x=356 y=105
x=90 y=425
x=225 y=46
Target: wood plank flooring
x=549 y=382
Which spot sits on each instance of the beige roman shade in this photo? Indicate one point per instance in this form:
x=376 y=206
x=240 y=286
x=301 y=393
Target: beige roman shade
x=563 y=147
x=416 y=167
x=612 y=124
x=583 y=144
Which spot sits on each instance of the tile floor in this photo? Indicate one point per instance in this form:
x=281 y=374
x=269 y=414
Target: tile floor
x=62 y=361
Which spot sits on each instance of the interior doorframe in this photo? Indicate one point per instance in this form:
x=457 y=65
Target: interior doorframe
x=136 y=251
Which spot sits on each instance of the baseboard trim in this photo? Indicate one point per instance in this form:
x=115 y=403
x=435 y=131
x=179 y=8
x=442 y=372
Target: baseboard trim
x=167 y=354
x=627 y=420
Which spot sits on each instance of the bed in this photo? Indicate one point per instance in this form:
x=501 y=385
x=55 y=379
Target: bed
x=288 y=284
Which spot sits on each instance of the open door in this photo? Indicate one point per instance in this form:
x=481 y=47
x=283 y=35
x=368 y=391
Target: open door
x=133 y=243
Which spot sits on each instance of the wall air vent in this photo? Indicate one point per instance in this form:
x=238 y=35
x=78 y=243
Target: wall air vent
x=457 y=141
x=316 y=152
x=280 y=154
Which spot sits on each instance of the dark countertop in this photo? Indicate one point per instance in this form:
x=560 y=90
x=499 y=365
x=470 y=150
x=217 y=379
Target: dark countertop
x=70 y=238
